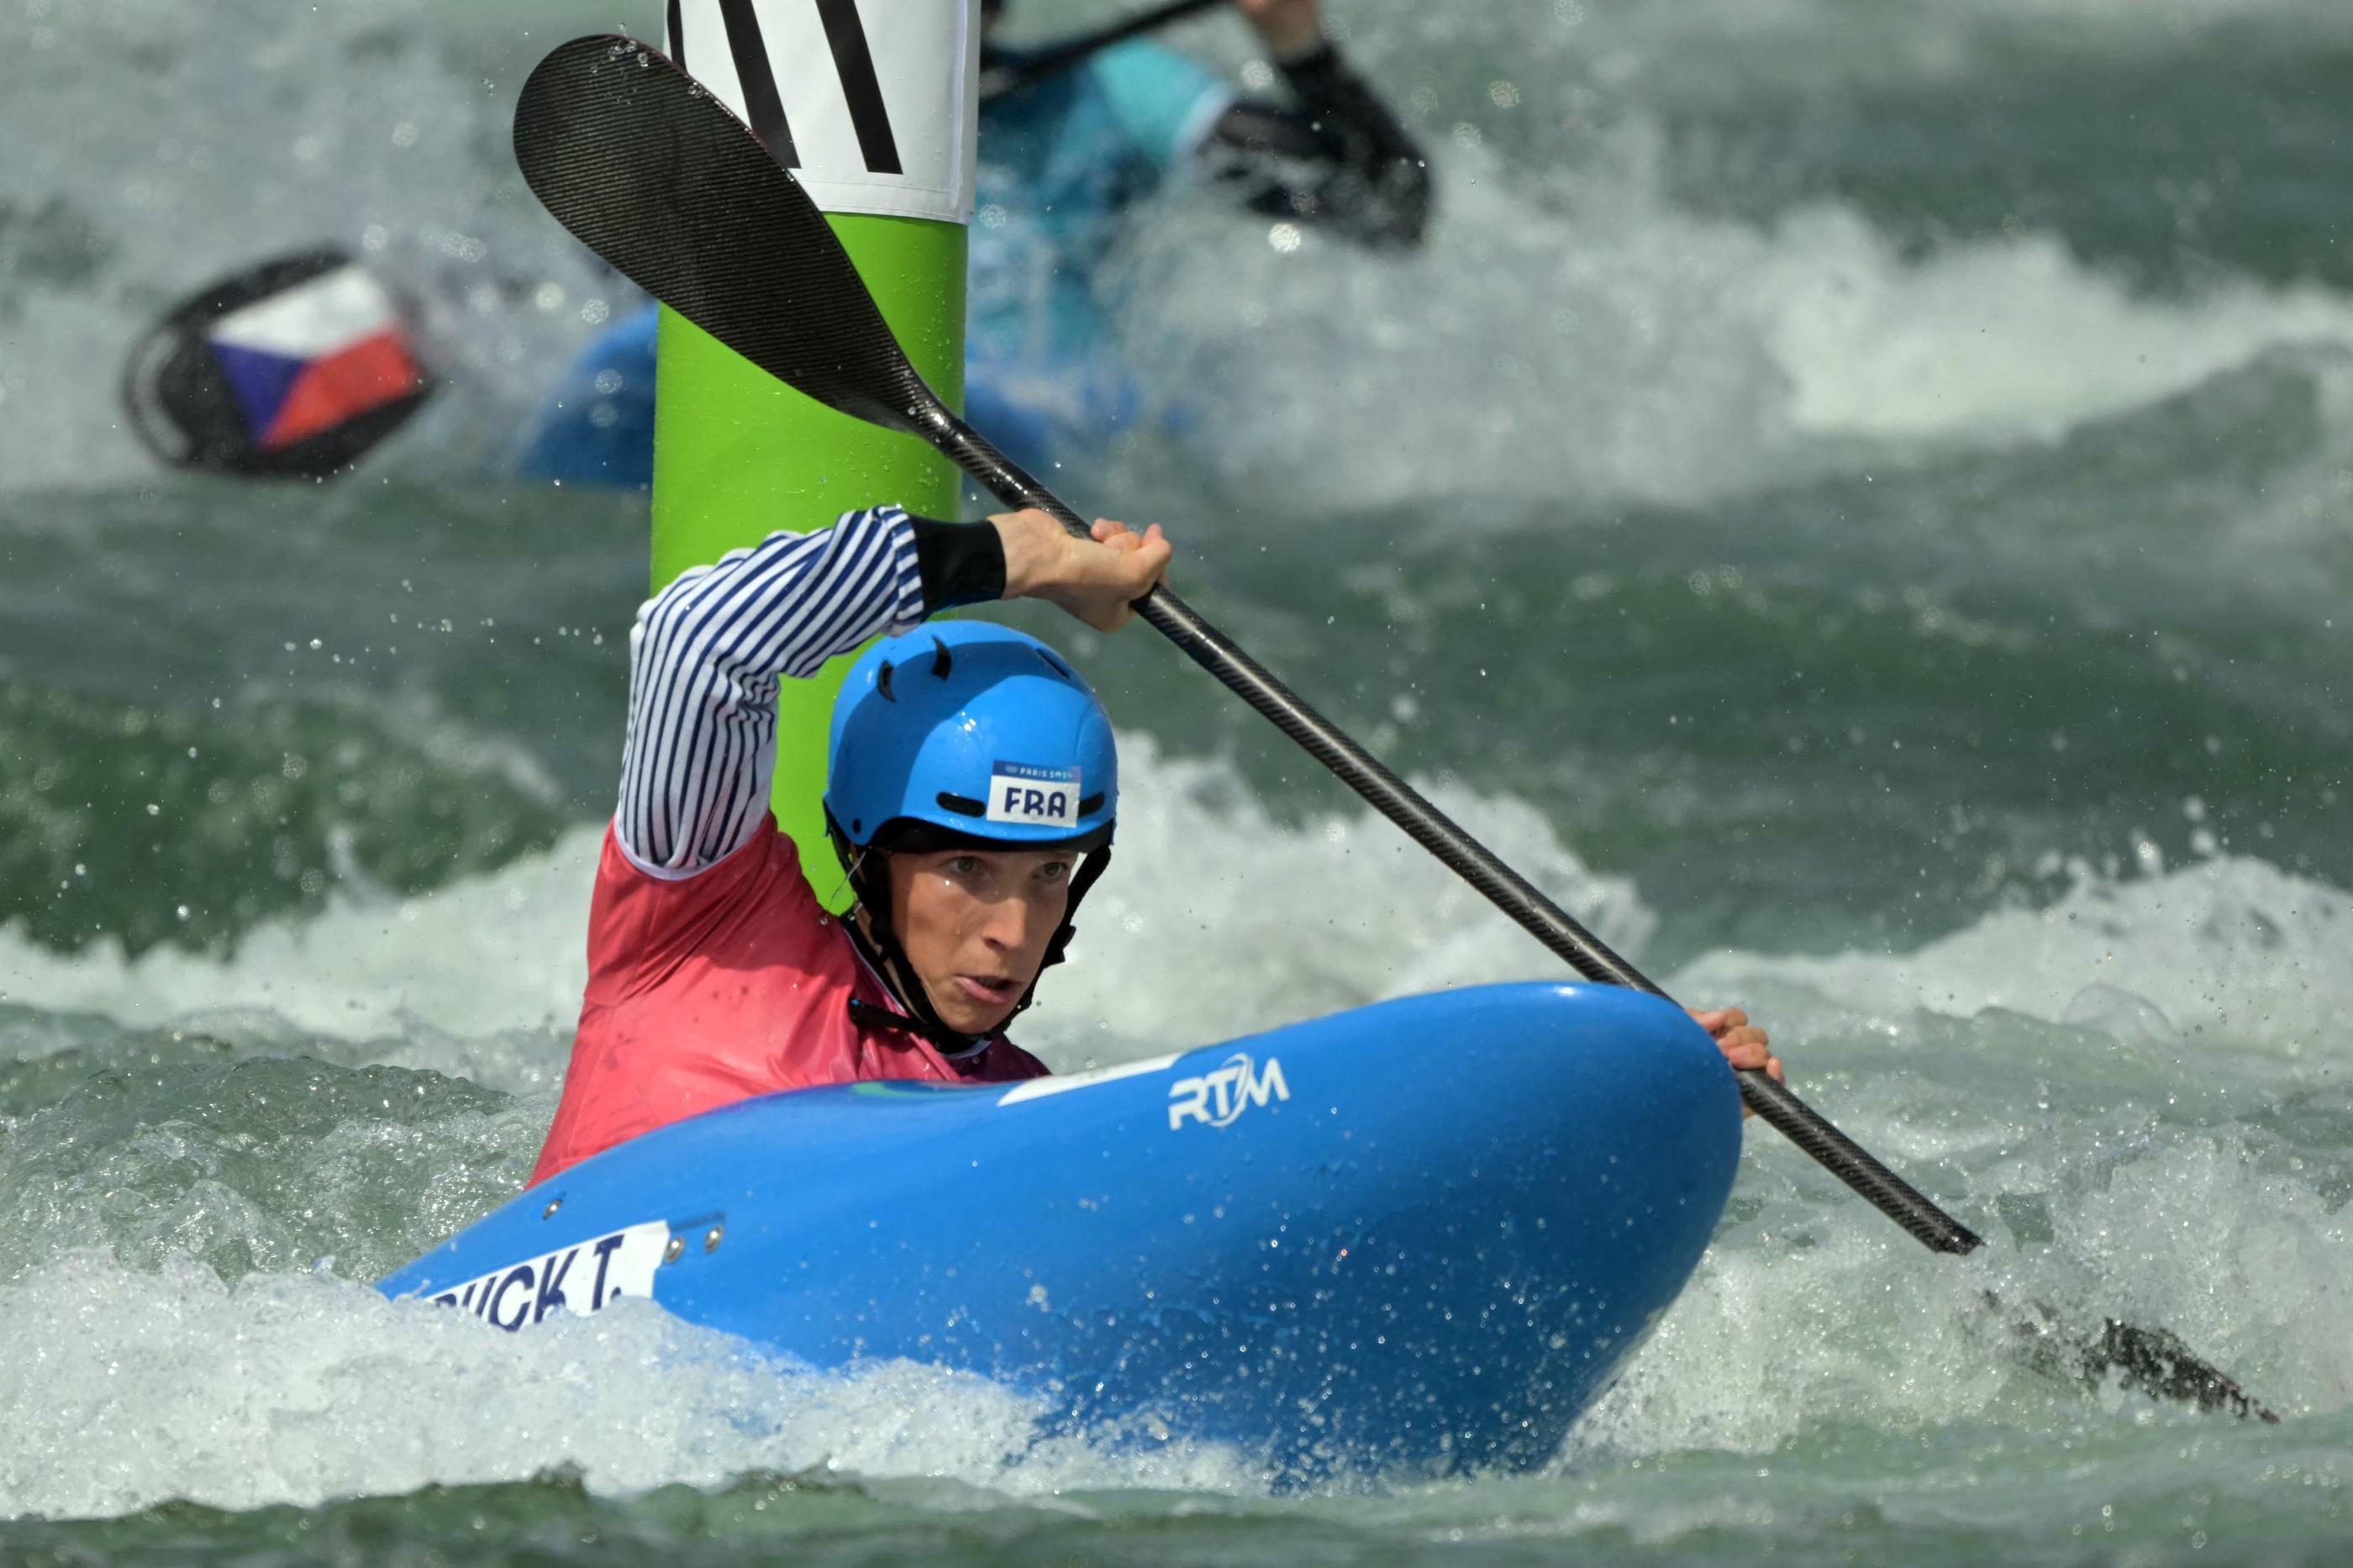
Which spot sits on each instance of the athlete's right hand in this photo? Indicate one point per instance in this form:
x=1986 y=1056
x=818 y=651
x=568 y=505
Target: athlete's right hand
x=1097 y=580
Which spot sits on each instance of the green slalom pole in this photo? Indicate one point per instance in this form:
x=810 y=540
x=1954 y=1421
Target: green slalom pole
x=738 y=454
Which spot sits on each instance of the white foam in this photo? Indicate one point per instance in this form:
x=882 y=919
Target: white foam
x=2168 y=1200
x=1764 y=1341
x=2178 y=16
x=503 y=951
x=2229 y=948
x=1857 y=1322
x=357 y=129
x=2000 y=340
x=126 y=1389
x=1525 y=352
x=1216 y=921
x=1562 y=334
x=1615 y=344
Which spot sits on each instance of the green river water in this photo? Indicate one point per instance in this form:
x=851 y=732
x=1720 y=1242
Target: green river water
x=1859 y=504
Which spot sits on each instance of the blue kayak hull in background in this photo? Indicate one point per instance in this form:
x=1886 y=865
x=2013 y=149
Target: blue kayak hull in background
x=1418 y=1236
x=597 y=428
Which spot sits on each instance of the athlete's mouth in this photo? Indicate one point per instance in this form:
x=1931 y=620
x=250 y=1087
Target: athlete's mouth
x=985 y=988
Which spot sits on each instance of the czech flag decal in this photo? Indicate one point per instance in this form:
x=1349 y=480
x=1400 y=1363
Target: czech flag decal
x=315 y=356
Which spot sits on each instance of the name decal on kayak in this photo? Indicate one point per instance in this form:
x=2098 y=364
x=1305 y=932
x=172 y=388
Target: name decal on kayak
x=578 y=1280
x=1218 y=1098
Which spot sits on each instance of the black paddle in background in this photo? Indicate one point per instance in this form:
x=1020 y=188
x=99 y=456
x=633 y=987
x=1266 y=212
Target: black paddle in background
x=1026 y=71
x=655 y=174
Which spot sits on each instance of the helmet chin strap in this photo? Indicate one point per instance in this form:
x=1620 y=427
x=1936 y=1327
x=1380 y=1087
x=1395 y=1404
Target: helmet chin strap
x=889 y=961
x=877 y=938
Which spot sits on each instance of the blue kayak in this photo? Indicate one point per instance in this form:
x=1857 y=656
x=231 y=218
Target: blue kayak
x=1420 y=1237
x=596 y=428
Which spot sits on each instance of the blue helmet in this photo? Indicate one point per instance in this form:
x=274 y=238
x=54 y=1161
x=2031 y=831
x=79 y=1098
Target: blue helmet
x=977 y=731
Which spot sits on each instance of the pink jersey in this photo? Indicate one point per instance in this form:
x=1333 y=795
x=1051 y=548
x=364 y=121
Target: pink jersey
x=708 y=989
x=713 y=973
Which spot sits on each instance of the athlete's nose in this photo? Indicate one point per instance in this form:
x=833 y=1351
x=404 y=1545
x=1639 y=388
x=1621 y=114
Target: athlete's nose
x=1007 y=924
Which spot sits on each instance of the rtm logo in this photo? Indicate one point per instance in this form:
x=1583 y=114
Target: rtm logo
x=1214 y=1099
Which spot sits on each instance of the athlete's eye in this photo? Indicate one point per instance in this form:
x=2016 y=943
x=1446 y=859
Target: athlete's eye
x=966 y=865
x=1054 y=872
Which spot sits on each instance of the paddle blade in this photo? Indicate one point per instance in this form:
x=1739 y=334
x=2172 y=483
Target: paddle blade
x=652 y=173
x=2156 y=1362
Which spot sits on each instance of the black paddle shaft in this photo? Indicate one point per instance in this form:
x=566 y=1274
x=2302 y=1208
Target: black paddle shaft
x=1449 y=842
x=661 y=179
x=653 y=173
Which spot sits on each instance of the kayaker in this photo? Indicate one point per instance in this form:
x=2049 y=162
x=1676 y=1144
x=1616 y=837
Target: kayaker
x=1063 y=164
x=972 y=785
x=972 y=788
x=1066 y=162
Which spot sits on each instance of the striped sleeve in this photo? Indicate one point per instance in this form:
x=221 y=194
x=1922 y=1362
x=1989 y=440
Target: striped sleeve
x=705 y=659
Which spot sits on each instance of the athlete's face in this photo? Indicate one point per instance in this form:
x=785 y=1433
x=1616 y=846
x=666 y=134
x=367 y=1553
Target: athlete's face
x=974 y=925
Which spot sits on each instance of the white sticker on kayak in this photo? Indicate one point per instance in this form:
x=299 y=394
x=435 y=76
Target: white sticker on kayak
x=1049 y=797
x=1063 y=1082
x=579 y=1280
x=1216 y=1098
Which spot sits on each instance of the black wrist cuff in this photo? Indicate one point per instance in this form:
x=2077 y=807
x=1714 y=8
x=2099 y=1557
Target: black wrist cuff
x=961 y=562
x=1316 y=66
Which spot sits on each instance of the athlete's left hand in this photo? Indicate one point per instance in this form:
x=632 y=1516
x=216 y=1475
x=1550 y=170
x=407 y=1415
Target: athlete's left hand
x=1744 y=1045
x=1292 y=28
